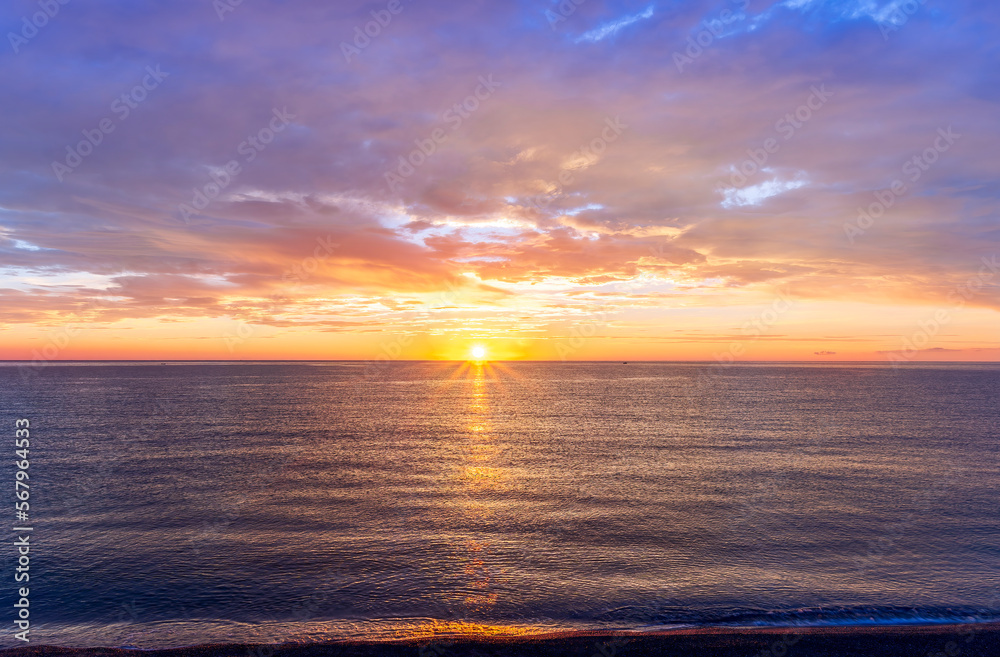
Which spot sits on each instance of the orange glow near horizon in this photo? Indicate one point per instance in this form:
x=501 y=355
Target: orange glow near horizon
x=805 y=330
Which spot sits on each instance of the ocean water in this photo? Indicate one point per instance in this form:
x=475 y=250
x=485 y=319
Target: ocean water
x=184 y=503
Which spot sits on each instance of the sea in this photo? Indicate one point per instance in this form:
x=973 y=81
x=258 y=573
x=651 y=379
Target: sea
x=184 y=503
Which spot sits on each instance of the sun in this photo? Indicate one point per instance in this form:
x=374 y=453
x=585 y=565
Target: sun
x=478 y=352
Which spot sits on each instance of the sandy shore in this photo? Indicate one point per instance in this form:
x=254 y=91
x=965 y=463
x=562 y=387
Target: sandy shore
x=909 y=641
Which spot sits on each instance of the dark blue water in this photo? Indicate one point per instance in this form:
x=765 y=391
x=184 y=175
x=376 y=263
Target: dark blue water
x=185 y=503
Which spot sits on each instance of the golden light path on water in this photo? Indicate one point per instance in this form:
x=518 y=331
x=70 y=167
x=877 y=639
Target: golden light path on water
x=480 y=477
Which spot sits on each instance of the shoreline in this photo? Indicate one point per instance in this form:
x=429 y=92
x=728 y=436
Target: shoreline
x=952 y=640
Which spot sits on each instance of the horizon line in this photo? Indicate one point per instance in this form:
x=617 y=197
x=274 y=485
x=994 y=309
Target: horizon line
x=472 y=360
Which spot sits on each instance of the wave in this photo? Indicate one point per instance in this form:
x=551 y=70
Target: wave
x=173 y=634
x=802 y=617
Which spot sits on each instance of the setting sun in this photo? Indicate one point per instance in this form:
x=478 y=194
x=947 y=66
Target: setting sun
x=478 y=352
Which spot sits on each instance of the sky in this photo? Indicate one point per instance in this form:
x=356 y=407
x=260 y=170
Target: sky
x=727 y=180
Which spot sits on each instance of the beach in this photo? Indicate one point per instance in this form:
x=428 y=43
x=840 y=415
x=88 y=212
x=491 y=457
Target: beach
x=967 y=640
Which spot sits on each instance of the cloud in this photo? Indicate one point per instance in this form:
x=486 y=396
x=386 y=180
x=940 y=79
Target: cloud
x=611 y=28
x=945 y=350
x=528 y=196
x=757 y=194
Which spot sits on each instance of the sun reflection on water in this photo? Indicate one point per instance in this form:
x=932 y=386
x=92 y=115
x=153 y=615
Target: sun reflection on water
x=479 y=476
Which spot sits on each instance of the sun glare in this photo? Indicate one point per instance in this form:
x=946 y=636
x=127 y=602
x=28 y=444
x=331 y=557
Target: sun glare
x=478 y=352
